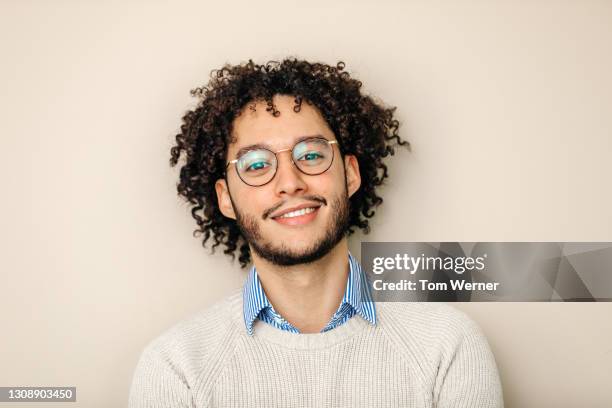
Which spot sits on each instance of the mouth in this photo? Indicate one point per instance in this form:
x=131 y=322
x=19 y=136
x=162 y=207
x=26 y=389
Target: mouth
x=299 y=216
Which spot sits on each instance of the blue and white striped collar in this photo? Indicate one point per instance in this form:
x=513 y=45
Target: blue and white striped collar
x=357 y=294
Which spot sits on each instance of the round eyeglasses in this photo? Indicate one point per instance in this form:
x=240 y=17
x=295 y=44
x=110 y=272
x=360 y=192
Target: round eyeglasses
x=311 y=156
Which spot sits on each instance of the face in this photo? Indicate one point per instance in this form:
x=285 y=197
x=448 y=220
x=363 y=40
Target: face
x=294 y=218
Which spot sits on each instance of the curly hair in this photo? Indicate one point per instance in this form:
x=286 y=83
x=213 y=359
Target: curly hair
x=362 y=127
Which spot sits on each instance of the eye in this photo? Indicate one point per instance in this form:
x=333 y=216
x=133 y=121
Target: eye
x=255 y=162
x=309 y=156
x=260 y=165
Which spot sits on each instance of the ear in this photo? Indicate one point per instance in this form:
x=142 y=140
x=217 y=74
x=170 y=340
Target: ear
x=224 y=200
x=353 y=178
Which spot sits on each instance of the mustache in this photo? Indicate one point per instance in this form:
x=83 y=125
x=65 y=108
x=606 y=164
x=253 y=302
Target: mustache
x=315 y=198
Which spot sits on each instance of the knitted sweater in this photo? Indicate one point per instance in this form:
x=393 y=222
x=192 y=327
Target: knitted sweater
x=417 y=355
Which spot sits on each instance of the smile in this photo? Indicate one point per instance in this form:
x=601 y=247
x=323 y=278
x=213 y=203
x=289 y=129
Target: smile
x=298 y=217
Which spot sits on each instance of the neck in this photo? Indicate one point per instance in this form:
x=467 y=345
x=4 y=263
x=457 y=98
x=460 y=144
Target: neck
x=306 y=295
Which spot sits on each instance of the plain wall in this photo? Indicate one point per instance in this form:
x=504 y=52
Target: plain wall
x=508 y=106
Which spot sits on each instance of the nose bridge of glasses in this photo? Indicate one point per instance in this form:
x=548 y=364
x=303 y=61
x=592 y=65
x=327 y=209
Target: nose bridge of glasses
x=290 y=158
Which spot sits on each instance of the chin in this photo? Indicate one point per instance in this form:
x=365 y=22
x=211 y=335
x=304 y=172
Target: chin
x=297 y=247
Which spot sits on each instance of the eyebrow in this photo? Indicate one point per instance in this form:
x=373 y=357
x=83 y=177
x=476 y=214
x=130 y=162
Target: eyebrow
x=246 y=149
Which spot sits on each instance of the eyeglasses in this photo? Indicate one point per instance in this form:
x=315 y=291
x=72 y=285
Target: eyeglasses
x=311 y=156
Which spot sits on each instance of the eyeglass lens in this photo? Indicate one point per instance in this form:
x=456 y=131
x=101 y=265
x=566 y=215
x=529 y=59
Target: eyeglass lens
x=311 y=156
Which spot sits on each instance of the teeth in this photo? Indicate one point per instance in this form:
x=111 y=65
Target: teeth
x=297 y=213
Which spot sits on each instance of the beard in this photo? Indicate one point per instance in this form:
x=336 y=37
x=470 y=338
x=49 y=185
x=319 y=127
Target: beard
x=282 y=255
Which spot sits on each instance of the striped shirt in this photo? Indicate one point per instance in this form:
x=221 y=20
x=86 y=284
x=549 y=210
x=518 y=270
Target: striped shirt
x=357 y=299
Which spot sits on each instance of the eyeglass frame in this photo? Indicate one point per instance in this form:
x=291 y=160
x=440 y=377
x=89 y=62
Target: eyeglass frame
x=329 y=142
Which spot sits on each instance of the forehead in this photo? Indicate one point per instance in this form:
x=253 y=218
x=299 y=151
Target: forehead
x=280 y=132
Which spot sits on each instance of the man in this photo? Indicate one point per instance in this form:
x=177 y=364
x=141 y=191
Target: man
x=281 y=161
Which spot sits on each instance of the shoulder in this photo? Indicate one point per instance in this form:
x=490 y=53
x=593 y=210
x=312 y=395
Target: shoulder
x=179 y=365
x=200 y=341
x=426 y=317
x=429 y=331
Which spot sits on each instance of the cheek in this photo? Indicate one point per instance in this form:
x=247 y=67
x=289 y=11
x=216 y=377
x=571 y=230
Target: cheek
x=328 y=184
x=335 y=178
x=253 y=201
x=243 y=196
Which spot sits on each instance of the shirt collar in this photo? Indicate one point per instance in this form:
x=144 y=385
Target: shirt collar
x=357 y=294
x=254 y=299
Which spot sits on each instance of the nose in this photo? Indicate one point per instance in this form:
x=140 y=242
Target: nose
x=289 y=180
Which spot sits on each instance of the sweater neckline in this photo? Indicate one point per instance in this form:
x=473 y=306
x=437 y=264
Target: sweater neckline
x=356 y=324
x=266 y=332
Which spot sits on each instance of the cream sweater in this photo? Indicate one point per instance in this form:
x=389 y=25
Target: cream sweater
x=417 y=355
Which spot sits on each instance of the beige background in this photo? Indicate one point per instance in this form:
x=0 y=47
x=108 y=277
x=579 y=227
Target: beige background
x=508 y=106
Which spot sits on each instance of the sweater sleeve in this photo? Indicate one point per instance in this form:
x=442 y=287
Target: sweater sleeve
x=467 y=375
x=157 y=384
